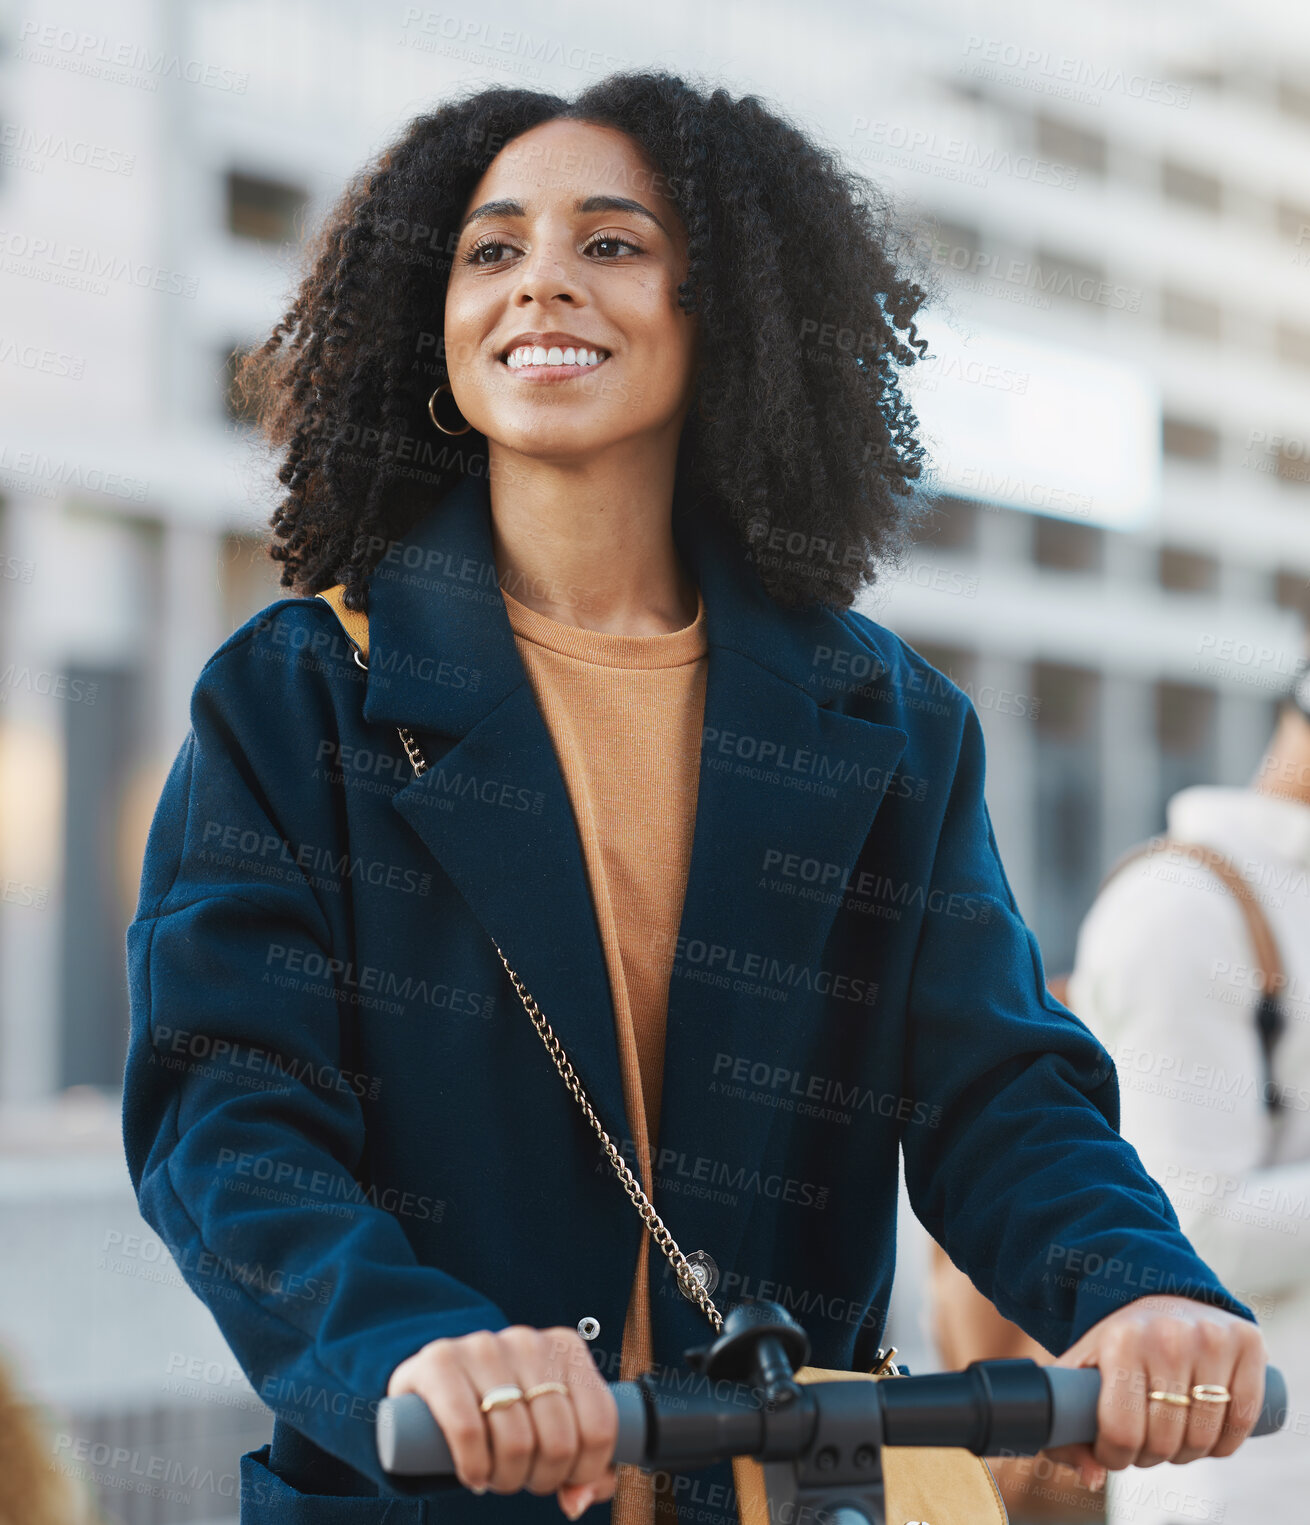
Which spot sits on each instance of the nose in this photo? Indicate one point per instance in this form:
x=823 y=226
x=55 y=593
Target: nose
x=549 y=274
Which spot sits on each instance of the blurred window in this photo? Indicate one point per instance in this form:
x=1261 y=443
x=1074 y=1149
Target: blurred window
x=1188 y=440
x=1184 y=716
x=1294 y=222
x=1068 y=805
x=1292 y=341
x=1186 y=571
x=1292 y=591
x=1192 y=186
x=1066 y=545
x=1185 y=735
x=952 y=244
x=247 y=577
x=1079 y=282
x=956 y=663
x=1294 y=96
x=268 y=210
x=1183 y=313
x=1067 y=143
x=952 y=525
x=1292 y=462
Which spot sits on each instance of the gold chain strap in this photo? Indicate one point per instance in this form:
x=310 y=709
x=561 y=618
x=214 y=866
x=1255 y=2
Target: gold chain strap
x=690 y=1283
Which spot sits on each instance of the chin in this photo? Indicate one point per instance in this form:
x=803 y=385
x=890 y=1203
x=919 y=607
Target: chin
x=555 y=437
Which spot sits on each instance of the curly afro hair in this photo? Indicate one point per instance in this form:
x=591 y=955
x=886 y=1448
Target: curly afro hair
x=798 y=435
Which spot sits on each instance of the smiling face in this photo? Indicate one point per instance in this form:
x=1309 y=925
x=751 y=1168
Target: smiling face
x=563 y=332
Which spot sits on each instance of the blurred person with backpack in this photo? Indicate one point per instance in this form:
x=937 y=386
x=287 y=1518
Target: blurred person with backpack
x=1192 y=967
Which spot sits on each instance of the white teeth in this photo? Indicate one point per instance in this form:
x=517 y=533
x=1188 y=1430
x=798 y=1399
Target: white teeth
x=530 y=354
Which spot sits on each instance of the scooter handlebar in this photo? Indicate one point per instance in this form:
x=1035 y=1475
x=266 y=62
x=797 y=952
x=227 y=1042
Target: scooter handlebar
x=933 y=1413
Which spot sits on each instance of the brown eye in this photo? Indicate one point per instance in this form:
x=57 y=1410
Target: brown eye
x=474 y=255
x=613 y=241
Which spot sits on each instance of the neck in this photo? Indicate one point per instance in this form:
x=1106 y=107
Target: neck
x=591 y=544
x=1284 y=770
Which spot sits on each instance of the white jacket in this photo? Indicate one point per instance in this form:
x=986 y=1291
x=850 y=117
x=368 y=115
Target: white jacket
x=1166 y=978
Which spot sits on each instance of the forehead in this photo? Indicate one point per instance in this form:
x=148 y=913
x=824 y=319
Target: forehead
x=567 y=159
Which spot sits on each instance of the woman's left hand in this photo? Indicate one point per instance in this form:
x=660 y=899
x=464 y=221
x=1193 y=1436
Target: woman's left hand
x=1166 y=1344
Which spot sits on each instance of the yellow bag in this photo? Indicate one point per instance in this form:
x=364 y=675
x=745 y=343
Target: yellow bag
x=944 y=1485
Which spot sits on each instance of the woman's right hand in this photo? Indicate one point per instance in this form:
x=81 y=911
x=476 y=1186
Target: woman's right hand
x=555 y=1443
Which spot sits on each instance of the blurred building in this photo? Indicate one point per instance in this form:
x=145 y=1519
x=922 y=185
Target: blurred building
x=1144 y=200
x=1108 y=190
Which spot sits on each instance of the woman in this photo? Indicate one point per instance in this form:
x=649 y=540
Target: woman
x=699 y=804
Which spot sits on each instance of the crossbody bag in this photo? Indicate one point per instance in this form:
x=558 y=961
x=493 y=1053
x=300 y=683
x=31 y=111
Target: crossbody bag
x=931 y=1485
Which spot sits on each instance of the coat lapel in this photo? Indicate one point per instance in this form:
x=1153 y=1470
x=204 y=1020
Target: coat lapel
x=782 y=770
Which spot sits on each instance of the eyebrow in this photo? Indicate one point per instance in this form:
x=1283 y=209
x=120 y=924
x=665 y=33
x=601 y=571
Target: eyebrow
x=511 y=208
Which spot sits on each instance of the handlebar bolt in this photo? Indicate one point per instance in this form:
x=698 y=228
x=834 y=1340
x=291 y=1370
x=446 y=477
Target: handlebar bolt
x=826 y=1459
x=865 y=1456
x=588 y=1327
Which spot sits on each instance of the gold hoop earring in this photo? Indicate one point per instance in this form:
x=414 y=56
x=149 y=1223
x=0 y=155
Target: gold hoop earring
x=432 y=411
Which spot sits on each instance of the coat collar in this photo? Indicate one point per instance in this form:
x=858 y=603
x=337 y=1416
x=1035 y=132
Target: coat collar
x=443 y=655
x=494 y=810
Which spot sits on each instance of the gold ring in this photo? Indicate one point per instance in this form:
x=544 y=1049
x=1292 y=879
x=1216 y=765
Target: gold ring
x=501 y=1397
x=547 y=1387
x=1179 y=1400
x=1211 y=1392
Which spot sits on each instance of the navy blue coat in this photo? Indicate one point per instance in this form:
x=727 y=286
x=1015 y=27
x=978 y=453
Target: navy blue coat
x=341 y=1122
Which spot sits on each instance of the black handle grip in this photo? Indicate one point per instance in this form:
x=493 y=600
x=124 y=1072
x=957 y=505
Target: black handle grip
x=936 y=1409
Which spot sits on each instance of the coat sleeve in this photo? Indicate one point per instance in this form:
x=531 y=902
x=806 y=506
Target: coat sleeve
x=1026 y=1181
x=1194 y=1107
x=242 y=1115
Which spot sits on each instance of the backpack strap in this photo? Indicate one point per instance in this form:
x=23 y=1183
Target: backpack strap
x=353 y=622
x=1270 y=1018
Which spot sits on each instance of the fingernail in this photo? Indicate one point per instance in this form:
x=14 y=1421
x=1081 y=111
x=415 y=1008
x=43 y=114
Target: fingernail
x=1097 y=1480
x=583 y=1502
